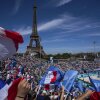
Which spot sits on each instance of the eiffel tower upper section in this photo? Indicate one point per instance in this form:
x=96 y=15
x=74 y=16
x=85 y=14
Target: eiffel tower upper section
x=34 y=28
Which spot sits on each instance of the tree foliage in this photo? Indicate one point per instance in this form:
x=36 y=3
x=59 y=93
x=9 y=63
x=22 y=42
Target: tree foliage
x=89 y=56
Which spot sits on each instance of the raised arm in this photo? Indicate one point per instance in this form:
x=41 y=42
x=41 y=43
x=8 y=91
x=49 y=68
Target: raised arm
x=62 y=93
x=84 y=96
x=23 y=89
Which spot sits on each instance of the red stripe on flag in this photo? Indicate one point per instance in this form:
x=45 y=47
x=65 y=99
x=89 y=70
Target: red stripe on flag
x=12 y=92
x=55 y=76
x=16 y=37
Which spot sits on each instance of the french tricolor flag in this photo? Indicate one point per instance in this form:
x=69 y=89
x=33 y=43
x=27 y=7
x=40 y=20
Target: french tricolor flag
x=53 y=75
x=9 y=41
x=8 y=90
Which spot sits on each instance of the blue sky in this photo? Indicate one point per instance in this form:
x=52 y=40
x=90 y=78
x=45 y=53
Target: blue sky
x=63 y=25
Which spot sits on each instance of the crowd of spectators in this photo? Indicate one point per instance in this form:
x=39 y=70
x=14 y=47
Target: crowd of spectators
x=31 y=69
x=78 y=65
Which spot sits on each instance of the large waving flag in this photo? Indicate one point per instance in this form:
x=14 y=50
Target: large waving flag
x=95 y=83
x=69 y=79
x=53 y=75
x=9 y=42
x=8 y=90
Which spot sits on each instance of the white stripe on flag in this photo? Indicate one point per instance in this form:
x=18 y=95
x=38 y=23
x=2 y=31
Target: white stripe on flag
x=4 y=92
x=48 y=77
x=7 y=47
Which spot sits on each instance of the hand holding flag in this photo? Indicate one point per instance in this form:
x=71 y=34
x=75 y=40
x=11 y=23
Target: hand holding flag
x=23 y=88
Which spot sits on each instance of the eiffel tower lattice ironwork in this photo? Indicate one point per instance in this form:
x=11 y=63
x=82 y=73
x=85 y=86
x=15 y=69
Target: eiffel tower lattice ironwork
x=34 y=45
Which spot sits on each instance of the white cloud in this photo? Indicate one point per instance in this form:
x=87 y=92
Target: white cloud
x=43 y=27
x=51 y=24
x=66 y=25
x=75 y=24
x=17 y=6
x=63 y=2
x=24 y=30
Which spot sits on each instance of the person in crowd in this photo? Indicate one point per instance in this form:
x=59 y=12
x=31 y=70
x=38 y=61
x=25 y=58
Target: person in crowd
x=23 y=89
x=85 y=96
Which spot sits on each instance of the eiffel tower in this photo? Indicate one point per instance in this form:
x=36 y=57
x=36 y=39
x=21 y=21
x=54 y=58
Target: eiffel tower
x=34 y=44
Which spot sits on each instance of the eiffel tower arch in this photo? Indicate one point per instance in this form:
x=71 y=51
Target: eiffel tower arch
x=34 y=46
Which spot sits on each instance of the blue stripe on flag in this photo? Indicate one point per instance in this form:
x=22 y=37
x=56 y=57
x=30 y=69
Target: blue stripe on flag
x=69 y=79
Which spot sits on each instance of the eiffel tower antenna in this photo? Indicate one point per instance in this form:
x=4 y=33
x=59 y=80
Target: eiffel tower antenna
x=34 y=3
x=34 y=29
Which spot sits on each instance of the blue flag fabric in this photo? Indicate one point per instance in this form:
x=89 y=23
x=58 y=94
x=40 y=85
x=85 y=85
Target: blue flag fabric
x=69 y=79
x=59 y=77
x=95 y=83
x=2 y=83
x=80 y=86
x=92 y=88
